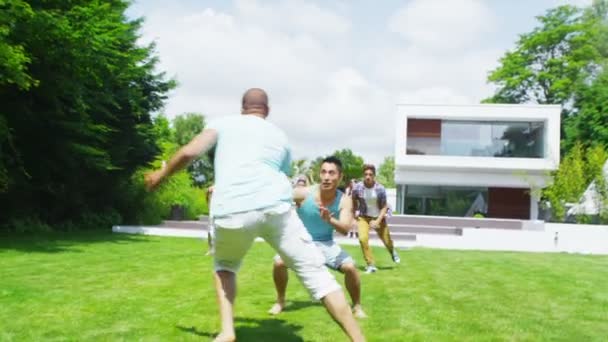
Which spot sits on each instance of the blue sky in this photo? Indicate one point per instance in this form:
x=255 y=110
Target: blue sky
x=334 y=70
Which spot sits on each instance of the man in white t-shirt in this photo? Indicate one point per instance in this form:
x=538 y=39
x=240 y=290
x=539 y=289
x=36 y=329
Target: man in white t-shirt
x=252 y=197
x=369 y=198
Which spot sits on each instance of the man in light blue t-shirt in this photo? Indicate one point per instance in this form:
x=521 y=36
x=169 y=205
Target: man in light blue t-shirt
x=252 y=197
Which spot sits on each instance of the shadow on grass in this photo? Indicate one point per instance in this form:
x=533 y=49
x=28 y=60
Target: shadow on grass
x=57 y=242
x=300 y=304
x=194 y=331
x=254 y=329
x=267 y=329
x=380 y=268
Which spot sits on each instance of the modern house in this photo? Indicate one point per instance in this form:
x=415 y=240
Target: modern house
x=475 y=160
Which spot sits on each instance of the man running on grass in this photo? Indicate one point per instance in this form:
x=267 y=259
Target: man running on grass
x=369 y=198
x=252 y=197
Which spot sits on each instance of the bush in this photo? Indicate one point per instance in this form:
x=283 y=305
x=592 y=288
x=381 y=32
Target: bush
x=153 y=207
x=585 y=219
x=27 y=225
x=104 y=220
x=198 y=204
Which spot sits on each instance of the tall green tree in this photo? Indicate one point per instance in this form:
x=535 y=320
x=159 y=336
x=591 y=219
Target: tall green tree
x=76 y=103
x=590 y=124
x=549 y=63
x=13 y=57
x=386 y=172
x=556 y=63
x=13 y=72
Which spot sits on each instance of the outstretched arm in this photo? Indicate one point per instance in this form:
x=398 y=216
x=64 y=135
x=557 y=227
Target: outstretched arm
x=184 y=156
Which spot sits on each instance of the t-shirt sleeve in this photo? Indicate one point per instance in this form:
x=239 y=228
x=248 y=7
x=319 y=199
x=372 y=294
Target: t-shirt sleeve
x=286 y=164
x=381 y=193
x=216 y=125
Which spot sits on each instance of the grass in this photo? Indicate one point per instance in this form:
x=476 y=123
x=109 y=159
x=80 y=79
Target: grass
x=109 y=287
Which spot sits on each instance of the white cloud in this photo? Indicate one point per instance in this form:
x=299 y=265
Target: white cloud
x=442 y=24
x=293 y=16
x=302 y=54
x=411 y=68
x=434 y=95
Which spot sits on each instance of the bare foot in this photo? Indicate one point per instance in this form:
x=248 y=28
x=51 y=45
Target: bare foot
x=358 y=312
x=277 y=308
x=223 y=337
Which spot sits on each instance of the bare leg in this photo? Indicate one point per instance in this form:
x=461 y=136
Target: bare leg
x=280 y=276
x=294 y=245
x=353 y=285
x=225 y=286
x=336 y=305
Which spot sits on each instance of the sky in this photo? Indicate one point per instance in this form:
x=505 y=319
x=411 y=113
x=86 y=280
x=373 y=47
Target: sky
x=334 y=71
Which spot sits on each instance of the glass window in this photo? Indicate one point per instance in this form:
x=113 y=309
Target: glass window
x=445 y=201
x=481 y=139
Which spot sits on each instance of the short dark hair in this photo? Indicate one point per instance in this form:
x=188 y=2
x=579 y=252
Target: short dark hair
x=369 y=167
x=333 y=160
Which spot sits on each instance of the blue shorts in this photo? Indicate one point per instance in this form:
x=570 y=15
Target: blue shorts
x=334 y=255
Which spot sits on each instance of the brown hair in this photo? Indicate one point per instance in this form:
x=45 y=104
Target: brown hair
x=369 y=167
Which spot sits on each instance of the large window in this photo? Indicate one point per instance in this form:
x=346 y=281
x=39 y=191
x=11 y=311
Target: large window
x=476 y=138
x=445 y=201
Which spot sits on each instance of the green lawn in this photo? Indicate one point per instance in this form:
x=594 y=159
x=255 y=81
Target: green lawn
x=102 y=286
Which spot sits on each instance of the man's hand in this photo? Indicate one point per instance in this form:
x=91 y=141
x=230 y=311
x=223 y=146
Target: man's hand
x=325 y=214
x=153 y=179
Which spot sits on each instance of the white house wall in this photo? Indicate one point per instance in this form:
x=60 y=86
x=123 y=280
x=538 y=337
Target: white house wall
x=478 y=171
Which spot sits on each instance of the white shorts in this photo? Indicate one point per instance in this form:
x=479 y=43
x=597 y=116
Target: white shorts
x=334 y=255
x=211 y=226
x=282 y=228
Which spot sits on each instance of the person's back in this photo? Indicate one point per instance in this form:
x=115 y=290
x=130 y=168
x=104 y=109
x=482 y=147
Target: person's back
x=252 y=197
x=251 y=165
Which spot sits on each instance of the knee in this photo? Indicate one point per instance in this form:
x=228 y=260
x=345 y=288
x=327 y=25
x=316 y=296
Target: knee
x=349 y=269
x=279 y=263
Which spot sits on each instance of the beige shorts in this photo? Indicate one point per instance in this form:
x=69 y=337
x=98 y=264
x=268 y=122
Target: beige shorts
x=284 y=231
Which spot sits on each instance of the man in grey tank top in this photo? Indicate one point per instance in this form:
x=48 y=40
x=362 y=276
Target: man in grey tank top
x=323 y=210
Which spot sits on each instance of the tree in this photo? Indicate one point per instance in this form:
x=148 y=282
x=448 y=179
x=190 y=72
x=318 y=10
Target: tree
x=568 y=183
x=76 y=93
x=13 y=58
x=186 y=127
x=549 y=63
x=556 y=63
x=386 y=172
x=13 y=72
x=576 y=172
x=163 y=133
x=594 y=172
x=590 y=125
x=352 y=166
